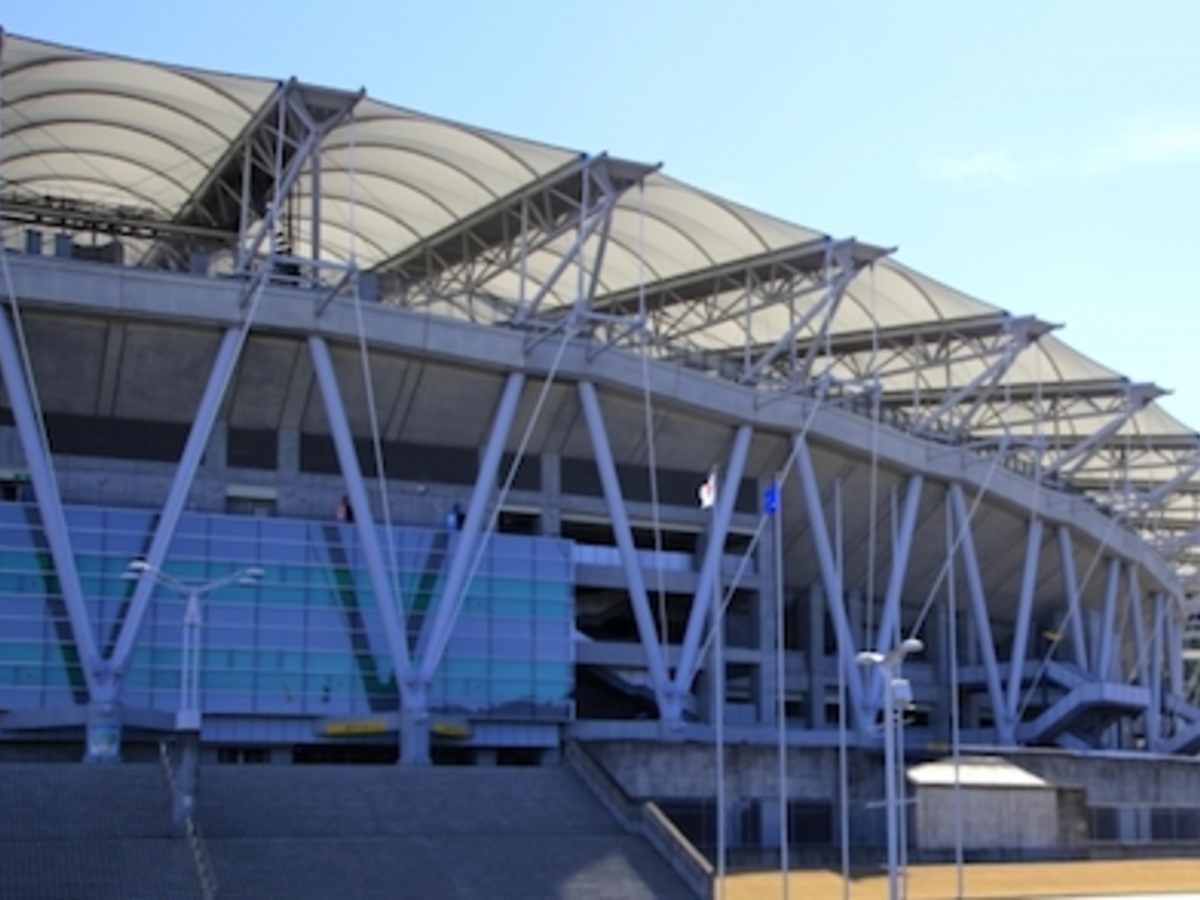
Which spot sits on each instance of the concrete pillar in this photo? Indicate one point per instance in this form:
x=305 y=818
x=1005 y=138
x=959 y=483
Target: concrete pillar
x=414 y=731
x=216 y=455
x=103 y=732
x=289 y=454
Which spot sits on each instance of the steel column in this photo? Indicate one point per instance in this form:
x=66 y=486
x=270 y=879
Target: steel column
x=979 y=613
x=391 y=607
x=168 y=520
x=1074 y=616
x=832 y=580
x=709 y=581
x=1136 y=397
x=462 y=556
x=1141 y=654
x=1108 y=622
x=669 y=700
x=1173 y=635
x=1033 y=551
x=1158 y=610
x=49 y=502
x=901 y=553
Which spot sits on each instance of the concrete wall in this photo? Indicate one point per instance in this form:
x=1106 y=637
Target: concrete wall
x=1119 y=779
x=993 y=818
x=688 y=771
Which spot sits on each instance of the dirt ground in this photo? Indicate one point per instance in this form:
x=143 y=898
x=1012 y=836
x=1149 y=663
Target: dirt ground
x=998 y=880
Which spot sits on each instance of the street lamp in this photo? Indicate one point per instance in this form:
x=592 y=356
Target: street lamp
x=187 y=719
x=897 y=697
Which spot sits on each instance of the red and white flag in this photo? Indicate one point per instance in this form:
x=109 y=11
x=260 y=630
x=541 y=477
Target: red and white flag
x=708 y=491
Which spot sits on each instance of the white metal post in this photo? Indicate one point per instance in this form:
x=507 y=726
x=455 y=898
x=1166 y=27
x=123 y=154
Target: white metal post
x=889 y=763
x=889 y=664
x=781 y=684
x=188 y=717
x=718 y=682
x=955 y=711
x=189 y=675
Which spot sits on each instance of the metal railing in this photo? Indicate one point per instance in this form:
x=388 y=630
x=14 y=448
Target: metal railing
x=206 y=876
x=645 y=818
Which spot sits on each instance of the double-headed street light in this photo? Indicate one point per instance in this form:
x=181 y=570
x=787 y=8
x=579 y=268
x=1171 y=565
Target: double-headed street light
x=188 y=717
x=897 y=697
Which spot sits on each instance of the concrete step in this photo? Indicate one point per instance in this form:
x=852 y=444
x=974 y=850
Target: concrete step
x=318 y=801
x=574 y=867
x=94 y=868
x=394 y=832
x=72 y=800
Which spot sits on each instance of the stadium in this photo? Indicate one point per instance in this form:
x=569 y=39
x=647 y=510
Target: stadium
x=337 y=432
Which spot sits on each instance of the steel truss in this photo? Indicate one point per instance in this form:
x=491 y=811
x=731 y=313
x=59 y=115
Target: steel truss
x=777 y=353
x=566 y=212
x=248 y=195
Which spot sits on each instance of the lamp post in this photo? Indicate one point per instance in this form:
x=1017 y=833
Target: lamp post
x=897 y=696
x=188 y=717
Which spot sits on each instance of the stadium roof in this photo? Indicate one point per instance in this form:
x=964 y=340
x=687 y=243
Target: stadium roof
x=160 y=154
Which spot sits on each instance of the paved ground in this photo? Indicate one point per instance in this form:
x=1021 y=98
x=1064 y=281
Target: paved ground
x=1178 y=879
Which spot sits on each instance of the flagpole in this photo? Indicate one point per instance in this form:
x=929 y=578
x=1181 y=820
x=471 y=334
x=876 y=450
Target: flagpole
x=720 y=717
x=773 y=507
x=843 y=754
x=708 y=499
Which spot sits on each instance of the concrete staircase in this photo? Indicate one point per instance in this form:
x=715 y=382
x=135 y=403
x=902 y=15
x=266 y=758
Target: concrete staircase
x=367 y=832
x=89 y=832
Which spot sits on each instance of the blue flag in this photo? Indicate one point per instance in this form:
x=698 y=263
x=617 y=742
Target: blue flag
x=771 y=500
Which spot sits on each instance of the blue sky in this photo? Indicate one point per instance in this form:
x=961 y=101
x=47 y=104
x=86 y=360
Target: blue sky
x=1043 y=156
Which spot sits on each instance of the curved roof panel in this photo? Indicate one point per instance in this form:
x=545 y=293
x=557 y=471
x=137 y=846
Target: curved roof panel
x=105 y=128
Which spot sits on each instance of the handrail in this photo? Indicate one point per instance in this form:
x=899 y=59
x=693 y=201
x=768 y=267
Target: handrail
x=645 y=818
x=201 y=861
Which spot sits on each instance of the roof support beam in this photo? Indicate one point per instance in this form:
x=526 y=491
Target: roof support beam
x=299 y=131
x=283 y=135
x=1136 y=398
x=839 y=271
x=1020 y=334
x=457 y=265
x=594 y=214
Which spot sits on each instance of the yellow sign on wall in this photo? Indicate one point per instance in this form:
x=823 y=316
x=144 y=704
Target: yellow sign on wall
x=356 y=726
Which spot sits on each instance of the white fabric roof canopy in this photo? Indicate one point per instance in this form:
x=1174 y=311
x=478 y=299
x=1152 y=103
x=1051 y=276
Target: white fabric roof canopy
x=86 y=127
